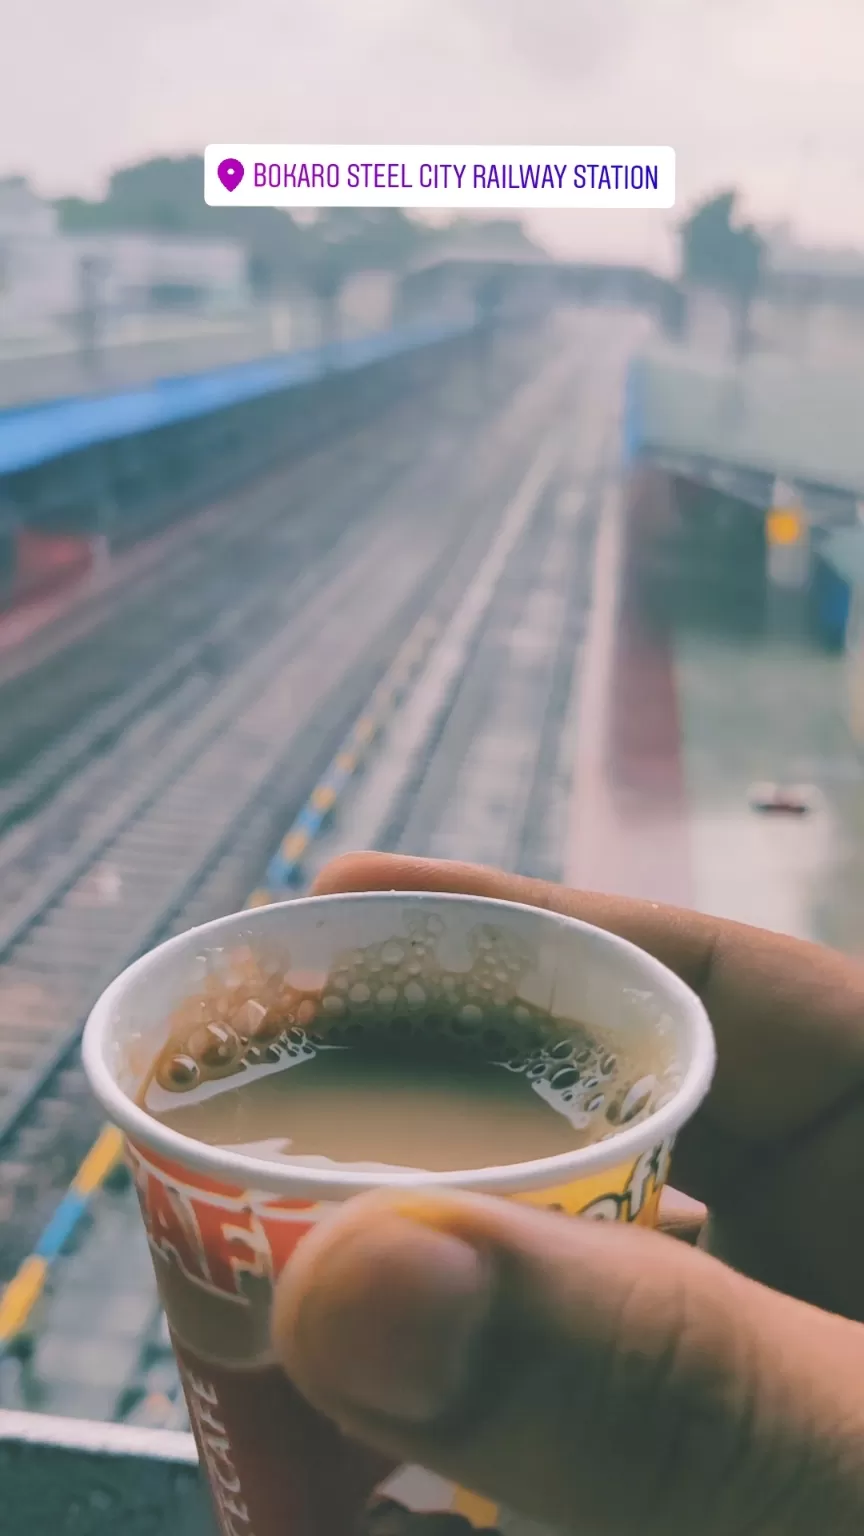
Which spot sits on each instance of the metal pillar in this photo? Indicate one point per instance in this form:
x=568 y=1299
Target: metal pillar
x=787 y=537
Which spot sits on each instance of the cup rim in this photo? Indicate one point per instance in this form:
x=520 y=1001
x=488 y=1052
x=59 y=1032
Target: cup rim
x=292 y=1181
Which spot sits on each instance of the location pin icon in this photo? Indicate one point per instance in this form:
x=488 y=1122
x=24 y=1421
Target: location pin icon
x=230 y=173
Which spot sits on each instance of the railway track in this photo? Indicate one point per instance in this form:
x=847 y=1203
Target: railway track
x=491 y=783
x=185 y=602
x=46 y=806
x=175 y=643
x=476 y=762
x=186 y=822
x=479 y=762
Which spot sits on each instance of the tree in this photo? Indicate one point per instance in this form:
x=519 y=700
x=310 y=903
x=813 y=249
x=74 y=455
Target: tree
x=344 y=242
x=371 y=239
x=724 y=256
x=719 y=254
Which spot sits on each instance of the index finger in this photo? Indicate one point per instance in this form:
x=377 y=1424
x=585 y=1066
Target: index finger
x=788 y=1015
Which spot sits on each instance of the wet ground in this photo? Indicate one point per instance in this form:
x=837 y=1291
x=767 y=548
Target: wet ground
x=773 y=710
x=690 y=711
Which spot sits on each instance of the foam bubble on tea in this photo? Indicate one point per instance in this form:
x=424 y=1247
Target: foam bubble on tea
x=392 y=1061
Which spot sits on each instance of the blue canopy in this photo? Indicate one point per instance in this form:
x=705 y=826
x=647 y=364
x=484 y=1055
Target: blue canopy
x=32 y=435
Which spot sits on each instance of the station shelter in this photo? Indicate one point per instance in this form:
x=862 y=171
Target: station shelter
x=765 y=464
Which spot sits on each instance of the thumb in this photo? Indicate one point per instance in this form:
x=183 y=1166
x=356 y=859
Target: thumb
x=599 y=1378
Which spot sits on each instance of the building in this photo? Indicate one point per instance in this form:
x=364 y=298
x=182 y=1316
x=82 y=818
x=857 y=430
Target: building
x=138 y=272
x=48 y=277
x=31 y=260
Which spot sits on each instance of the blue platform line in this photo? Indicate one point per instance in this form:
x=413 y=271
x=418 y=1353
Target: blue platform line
x=61 y=1226
x=33 y=435
x=309 y=819
x=26 y=1286
x=633 y=415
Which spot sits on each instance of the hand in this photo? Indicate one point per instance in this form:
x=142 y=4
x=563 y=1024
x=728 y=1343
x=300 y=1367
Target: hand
x=608 y=1380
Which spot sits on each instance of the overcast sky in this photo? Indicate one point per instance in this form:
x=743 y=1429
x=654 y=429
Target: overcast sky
x=764 y=94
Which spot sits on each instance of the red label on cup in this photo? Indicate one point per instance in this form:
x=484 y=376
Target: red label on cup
x=216 y=1235
x=275 y=1466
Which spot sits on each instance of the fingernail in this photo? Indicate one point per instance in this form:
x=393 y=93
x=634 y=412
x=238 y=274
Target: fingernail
x=391 y=1318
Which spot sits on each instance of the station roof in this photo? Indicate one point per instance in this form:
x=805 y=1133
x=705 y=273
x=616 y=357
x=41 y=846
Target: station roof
x=763 y=418
x=33 y=435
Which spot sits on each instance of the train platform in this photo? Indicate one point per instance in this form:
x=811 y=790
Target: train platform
x=28 y=623
x=742 y=425
x=32 y=435
x=132 y=350
x=686 y=722
x=90 y=450
x=70 y=602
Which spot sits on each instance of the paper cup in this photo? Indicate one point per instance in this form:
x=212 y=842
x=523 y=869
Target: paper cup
x=222 y=1225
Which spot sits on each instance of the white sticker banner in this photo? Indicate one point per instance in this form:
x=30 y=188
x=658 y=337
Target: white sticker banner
x=476 y=176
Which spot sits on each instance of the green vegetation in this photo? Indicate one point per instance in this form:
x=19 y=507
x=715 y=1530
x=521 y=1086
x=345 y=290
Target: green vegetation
x=721 y=254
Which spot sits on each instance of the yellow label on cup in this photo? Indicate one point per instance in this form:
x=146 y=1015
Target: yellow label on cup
x=630 y=1192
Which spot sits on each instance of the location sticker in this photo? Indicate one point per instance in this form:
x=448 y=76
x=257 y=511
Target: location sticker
x=230 y=173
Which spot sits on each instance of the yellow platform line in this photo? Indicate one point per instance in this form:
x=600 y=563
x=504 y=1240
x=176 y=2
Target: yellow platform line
x=294 y=845
x=481 y=1512
x=101 y=1160
x=25 y=1288
x=21 y=1296
x=324 y=797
